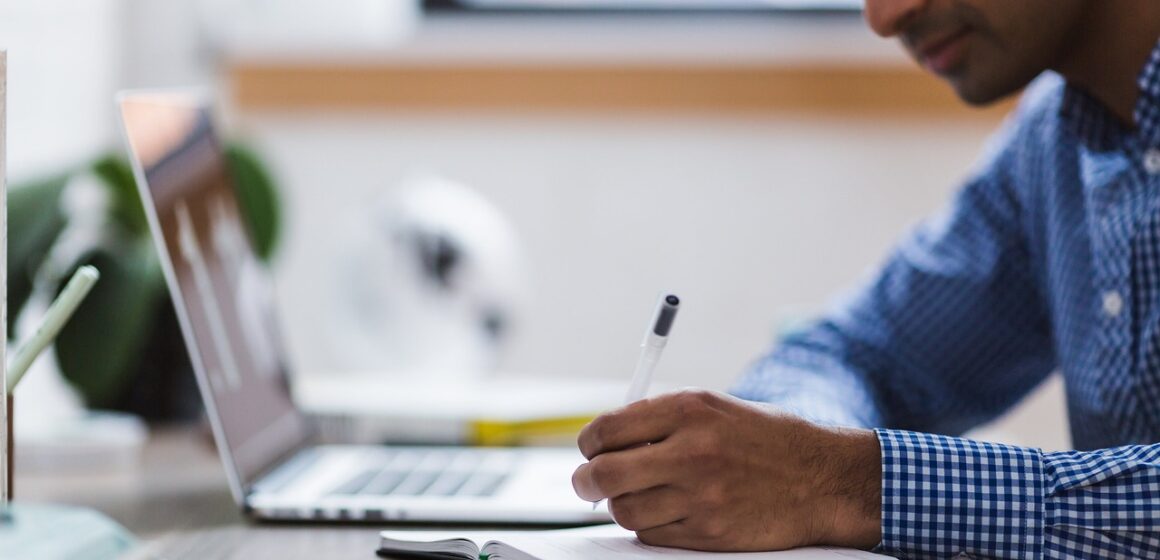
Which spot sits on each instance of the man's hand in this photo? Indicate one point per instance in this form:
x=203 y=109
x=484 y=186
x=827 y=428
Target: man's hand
x=703 y=470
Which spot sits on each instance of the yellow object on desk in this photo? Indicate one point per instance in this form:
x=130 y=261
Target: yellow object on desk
x=500 y=411
x=544 y=431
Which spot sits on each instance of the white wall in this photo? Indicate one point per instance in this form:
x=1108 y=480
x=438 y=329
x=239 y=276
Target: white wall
x=64 y=63
x=750 y=219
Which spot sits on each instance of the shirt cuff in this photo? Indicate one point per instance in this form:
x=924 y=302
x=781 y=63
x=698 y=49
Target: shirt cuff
x=944 y=496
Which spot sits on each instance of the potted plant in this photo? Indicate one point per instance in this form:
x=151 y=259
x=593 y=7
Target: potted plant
x=123 y=349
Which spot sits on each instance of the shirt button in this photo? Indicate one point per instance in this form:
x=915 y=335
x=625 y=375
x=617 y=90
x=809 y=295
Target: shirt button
x=1152 y=161
x=1113 y=304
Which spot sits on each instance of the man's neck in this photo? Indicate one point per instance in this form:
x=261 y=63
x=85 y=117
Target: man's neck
x=1111 y=48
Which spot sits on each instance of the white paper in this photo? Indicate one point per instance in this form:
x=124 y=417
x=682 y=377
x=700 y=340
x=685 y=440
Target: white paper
x=612 y=542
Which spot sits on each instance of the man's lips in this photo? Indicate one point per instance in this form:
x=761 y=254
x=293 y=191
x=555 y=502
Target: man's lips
x=942 y=54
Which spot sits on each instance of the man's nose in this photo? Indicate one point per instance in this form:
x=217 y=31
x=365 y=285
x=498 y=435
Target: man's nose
x=889 y=17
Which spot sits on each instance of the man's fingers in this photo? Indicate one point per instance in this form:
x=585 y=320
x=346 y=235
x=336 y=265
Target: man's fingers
x=646 y=509
x=676 y=535
x=645 y=421
x=632 y=425
x=619 y=472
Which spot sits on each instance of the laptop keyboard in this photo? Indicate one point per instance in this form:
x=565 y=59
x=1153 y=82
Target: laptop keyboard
x=412 y=472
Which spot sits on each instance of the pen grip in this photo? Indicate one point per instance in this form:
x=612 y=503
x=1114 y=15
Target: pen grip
x=642 y=377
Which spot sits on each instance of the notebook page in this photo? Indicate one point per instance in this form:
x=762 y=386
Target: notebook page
x=612 y=542
x=629 y=548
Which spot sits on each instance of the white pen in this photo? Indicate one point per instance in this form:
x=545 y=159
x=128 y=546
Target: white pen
x=656 y=336
x=654 y=342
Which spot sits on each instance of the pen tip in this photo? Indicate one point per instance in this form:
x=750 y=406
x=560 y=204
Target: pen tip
x=672 y=300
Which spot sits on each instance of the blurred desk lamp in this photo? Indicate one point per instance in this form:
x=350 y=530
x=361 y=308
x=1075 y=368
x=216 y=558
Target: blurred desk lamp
x=41 y=531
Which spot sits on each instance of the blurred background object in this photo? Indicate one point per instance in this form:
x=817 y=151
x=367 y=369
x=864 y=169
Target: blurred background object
x=432 y=277
x=307 y=26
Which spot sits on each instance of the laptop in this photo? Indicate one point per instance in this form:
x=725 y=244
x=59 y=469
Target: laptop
x=224 y=302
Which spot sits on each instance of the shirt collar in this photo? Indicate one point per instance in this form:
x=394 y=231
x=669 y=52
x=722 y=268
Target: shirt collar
x=1147 y=111
x=1093 y=123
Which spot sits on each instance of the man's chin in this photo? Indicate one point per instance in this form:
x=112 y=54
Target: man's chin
x=981 y=95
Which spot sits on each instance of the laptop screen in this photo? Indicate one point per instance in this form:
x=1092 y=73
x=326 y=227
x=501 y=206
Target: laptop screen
x=219 y=288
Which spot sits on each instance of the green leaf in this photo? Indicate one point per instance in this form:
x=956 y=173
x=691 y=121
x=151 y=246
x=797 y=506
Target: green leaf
x=103 y=341
x=126 y=208
x=257 y=197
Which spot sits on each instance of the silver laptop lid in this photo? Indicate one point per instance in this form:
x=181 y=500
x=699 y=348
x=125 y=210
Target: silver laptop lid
x=219 y=288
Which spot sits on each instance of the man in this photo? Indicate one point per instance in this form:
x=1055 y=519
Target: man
x=1049 y=258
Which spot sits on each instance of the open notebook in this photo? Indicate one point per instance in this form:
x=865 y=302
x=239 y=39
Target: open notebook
x=608 y=542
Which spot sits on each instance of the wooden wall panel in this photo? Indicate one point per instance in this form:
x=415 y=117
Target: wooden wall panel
x=714 y=89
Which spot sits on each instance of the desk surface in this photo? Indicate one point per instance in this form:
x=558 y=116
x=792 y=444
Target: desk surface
x=248 y=542
x=177 y=502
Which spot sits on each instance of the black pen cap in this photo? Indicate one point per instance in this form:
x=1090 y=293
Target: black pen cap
x=666 y=315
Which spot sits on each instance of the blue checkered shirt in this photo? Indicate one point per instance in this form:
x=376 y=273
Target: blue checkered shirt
x=1047 y=259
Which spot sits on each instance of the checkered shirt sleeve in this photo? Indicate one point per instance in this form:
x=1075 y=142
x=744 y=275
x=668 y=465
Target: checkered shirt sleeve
x=950 y=333
x=945 y=496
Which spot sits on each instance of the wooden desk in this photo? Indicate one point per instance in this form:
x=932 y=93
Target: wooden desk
x=237 y=542
x=177 y=502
